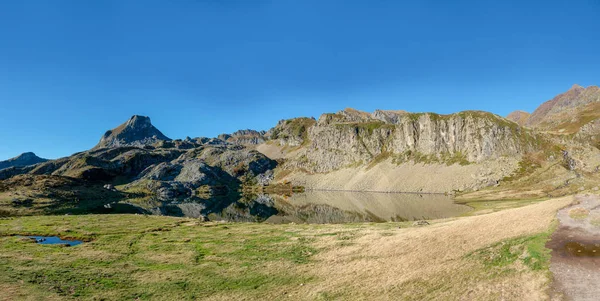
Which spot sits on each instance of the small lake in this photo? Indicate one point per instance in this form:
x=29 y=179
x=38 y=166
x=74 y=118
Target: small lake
x=308 y=207
x=54 y=240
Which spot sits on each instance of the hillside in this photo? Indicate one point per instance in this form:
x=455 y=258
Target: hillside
x=567 y=112
x=21 y=160
x=520 y=117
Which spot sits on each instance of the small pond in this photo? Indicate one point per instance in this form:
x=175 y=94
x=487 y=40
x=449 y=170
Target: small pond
x=54 y=240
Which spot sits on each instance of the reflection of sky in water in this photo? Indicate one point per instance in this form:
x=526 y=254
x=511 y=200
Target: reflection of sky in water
x=316 y=207
x=385 y=206
x=53 y=240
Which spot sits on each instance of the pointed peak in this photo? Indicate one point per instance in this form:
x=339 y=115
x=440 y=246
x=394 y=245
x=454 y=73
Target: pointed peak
x=576 y=87
x=138 y=120
x=137 y=131
x=516 y=112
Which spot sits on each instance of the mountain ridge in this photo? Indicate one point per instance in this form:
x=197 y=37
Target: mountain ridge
x=550 y=114
x=24 y=159
x=384 y=150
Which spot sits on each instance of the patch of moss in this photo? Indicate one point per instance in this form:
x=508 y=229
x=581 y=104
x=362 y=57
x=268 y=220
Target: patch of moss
x=529 y=250
x=526 y=167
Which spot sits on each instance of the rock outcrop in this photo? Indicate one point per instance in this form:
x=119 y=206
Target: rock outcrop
x=24 y=159
x=354 y=138
x=244 y=137
x=291 y=132
x=137 y=131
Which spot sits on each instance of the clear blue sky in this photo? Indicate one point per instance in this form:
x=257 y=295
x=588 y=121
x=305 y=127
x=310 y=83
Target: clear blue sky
x=70 y=70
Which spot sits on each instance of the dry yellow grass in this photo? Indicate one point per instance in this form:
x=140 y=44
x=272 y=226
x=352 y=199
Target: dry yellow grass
x=429 y=263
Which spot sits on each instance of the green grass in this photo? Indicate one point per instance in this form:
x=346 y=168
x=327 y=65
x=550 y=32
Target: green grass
x=148 y=257
x=529 y=250
x=136 y=257
x=527 y=166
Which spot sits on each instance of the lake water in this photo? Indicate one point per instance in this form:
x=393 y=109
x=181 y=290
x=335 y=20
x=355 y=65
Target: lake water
x=310 y=207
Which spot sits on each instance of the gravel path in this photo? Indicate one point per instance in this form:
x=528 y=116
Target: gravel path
x=576 y=251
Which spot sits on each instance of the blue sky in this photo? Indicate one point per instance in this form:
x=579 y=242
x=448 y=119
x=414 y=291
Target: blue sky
x=70 y=70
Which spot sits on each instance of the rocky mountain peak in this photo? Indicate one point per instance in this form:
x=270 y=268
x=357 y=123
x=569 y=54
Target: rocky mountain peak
x=137 y=131
x=27 y=155
x=520 y=117
x=137 y=121
x=23 y=159
x=576 y=87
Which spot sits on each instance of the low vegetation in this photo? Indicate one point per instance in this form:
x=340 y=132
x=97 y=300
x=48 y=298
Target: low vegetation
x=297 y=128
x=137 y=257
x=579 y=213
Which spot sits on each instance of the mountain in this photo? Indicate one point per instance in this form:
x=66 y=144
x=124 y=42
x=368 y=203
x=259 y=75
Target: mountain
x=137 y=131
x=145 y=163
x=567 y=112
x=520 y=117
x=390 y=150
x=21 y=160
x=384 y=150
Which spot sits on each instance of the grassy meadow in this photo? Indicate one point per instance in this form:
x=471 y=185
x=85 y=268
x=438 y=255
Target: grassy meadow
x=137 y=257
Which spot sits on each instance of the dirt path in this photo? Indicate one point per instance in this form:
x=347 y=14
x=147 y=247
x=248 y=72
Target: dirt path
x=576 y=251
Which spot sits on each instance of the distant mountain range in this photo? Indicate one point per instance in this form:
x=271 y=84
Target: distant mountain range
x=549 y=151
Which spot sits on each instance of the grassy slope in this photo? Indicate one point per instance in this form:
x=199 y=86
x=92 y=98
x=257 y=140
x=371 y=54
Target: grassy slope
x=161 y=258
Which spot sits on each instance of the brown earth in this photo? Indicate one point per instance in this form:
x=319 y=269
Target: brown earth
x=575 y=248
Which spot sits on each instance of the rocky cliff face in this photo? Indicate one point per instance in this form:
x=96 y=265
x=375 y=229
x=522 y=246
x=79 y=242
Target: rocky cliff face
x=244 y=137
x=291 y=132
x=137 y=131
x=354 y=138
x=23 y=159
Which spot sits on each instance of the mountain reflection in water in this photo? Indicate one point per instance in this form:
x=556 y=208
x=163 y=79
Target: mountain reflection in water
x=308 y=207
